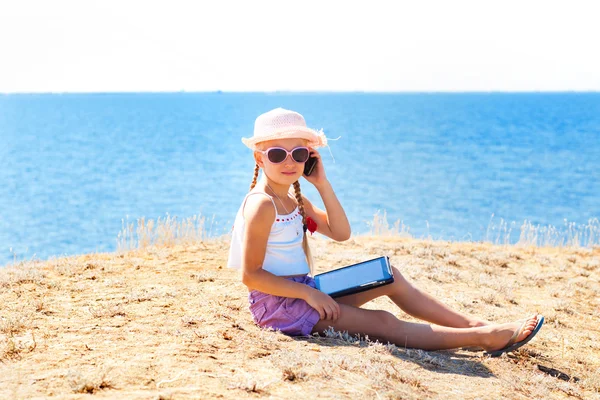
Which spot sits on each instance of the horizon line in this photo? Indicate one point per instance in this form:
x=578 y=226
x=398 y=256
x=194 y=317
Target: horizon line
x=305 y=92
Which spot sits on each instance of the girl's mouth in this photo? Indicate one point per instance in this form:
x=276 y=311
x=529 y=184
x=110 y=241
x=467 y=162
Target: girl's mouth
x=289 y=173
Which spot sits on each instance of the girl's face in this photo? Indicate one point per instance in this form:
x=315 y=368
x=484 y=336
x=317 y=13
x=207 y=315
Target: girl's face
x=286 y=172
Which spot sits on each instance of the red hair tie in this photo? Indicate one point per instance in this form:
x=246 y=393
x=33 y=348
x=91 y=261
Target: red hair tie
x=311 y=225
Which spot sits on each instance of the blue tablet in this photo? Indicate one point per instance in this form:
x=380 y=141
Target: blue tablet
x=356 y=278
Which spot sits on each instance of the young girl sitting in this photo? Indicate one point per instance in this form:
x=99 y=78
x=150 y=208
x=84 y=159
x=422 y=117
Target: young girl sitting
x=269 y=244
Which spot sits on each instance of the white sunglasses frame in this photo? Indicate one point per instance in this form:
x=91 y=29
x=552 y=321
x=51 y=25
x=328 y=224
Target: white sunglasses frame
x=288 y=154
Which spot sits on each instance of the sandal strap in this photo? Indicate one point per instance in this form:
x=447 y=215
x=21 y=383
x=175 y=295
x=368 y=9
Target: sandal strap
x=515 y=335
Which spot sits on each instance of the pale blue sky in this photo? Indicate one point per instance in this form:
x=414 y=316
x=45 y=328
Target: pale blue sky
x=310 y=45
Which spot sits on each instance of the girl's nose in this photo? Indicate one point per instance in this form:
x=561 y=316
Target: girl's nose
x=289 y=161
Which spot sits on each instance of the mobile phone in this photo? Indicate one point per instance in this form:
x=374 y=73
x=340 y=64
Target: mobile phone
x=309 y=166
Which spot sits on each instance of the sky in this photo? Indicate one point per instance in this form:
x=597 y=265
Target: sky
x=379 y=46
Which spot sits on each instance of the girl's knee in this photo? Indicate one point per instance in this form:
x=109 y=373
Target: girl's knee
x=398 y=277
x=386 y=318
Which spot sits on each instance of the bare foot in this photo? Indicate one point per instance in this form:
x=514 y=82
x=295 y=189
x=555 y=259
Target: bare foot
x=499 y=335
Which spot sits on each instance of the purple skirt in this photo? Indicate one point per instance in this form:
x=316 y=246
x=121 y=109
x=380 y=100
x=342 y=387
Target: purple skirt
x=294 y=317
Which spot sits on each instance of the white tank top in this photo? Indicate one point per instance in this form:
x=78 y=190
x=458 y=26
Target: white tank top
x=284 y=255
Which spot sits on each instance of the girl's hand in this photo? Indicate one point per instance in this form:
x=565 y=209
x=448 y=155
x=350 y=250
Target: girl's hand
x=318 y=175
x=327 y=307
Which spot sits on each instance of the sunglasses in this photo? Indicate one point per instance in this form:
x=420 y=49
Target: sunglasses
x=277 y=155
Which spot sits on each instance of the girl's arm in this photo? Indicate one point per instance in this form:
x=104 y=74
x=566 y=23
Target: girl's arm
x=333 y=222
x=259 y=215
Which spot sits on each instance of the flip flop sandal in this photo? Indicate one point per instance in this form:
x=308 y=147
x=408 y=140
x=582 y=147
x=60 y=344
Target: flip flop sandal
x=511 y=345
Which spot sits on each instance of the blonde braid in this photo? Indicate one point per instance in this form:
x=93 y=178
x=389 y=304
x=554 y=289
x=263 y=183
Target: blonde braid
x=300 y=201
x=256 y=169
x=305 y=246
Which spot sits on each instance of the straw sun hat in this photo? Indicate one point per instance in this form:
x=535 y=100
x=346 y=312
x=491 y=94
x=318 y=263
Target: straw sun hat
x=283 y=124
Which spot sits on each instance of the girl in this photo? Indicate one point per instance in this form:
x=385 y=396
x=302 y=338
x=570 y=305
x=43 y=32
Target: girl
x=269 y=244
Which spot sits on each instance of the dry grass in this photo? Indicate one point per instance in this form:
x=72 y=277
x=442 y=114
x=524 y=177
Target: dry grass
x=89 y=381
x=166 y=231
x=569 y=235
x=501 y=232
x=171 y=322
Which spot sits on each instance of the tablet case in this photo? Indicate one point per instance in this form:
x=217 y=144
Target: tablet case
x=386 y=279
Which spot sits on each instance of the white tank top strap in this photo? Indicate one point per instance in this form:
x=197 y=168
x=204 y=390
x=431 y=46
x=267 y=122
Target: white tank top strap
x=257 y=192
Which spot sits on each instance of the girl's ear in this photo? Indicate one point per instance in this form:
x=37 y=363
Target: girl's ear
x=258 y=159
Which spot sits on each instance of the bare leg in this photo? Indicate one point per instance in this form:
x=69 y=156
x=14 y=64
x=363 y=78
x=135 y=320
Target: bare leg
x=385 y=327
x=414 y=302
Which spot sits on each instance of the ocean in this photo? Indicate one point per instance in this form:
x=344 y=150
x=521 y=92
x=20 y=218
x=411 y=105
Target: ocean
x=460 y=166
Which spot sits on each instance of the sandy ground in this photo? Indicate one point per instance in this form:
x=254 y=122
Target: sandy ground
x=172 y=322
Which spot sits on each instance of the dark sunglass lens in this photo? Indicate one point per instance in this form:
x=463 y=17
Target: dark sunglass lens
x=300 y=155
x=276 y=155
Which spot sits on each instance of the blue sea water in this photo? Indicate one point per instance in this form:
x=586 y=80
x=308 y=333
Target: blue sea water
x=73 y=166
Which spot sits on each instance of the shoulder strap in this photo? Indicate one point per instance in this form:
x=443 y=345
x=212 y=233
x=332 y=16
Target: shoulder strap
x=293 y=197
x=263 y=193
